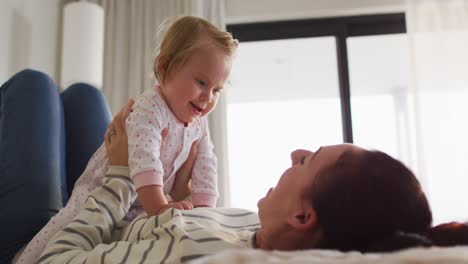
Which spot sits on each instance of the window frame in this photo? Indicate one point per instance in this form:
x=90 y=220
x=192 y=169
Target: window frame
x=339 y=27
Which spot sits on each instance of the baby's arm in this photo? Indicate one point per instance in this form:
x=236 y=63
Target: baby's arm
x=182 y=185
x=145 y=138
x=144 y=128
x=152 y=199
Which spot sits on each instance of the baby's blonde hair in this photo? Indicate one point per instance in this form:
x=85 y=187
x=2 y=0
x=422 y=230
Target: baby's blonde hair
x=182 y=38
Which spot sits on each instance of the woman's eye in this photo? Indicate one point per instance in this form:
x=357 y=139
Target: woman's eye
x=302 y=160
x=217 y=91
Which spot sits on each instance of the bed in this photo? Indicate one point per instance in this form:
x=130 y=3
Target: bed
x=19 y=224
x=453 y=255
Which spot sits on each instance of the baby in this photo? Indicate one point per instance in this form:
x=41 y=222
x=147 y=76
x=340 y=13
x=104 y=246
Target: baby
x=192 y=68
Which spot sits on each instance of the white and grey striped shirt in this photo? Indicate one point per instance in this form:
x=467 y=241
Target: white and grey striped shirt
x=98 y=234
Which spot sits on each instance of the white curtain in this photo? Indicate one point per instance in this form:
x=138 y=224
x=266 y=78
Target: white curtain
x=438 y=33
x=132 y=31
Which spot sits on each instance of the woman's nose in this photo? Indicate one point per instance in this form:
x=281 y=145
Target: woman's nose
x=298 y=154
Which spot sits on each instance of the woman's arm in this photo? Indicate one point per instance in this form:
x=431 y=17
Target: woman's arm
x=89 y=236
x=182 y=186
x=86 y=237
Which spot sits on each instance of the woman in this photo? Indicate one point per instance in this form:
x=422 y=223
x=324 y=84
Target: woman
x=339 y=197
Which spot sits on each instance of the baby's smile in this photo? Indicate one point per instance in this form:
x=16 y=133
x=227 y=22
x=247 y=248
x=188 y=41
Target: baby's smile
x=196 y=109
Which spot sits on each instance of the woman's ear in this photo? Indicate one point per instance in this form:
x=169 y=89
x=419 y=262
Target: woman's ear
x=304 y=219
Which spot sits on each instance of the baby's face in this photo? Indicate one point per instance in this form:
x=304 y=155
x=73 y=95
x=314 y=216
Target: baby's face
x=193 y=89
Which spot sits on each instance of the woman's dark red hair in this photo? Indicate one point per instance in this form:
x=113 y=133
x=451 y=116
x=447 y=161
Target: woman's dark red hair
x=367 y=198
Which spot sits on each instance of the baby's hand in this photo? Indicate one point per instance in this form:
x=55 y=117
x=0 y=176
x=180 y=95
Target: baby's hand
x=182 y=205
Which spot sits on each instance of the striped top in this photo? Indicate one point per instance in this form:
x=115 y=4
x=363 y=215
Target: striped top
x=98 y=234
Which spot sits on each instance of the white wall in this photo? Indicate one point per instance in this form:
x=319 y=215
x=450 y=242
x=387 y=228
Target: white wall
x=30 y=30
x=30 y=36
x=243 y=11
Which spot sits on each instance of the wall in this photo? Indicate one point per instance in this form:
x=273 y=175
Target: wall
x=244 y=11
x=30 y=31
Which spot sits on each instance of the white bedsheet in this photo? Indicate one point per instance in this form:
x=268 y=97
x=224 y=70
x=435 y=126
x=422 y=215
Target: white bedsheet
x=452 y=255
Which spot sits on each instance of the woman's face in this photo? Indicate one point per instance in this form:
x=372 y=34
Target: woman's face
x=288 y=196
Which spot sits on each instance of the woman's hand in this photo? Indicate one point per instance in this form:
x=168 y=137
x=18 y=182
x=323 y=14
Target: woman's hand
x=116 y=140
x=182 y=186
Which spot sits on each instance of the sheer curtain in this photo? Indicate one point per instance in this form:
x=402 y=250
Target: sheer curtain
x=438 y=33
x=132 y=31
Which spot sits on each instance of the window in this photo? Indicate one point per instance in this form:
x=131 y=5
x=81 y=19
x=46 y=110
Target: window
x=281 y=88
x=380 y=107
x=296 y=84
